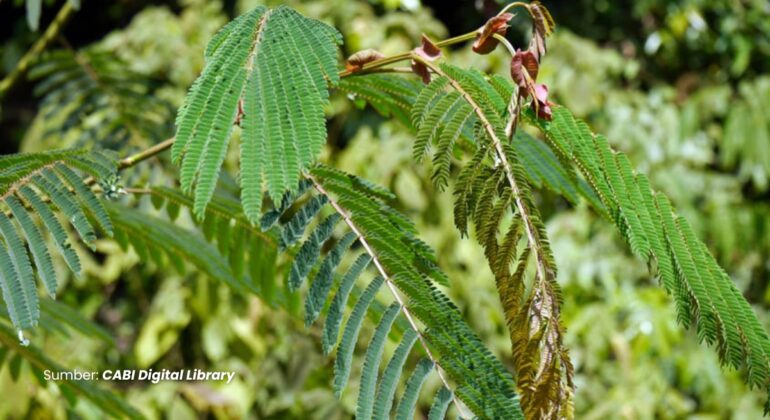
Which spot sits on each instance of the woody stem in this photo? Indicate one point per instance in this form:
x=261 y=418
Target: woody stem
x=408 y=54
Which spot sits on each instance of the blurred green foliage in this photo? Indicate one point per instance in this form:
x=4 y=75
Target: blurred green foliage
x=682 y=87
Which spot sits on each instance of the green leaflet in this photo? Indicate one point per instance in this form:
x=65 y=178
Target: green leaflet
x=466 y=187
x=209 y=87
x=350 y=336
x=544 y=169
x=19 y=308
x=270 y=69
x=209 y=131
x=440 y=404
x=87 y=198
x=67 y=205
x=223 y=34
x=17 y=168
x=405 y=410
x=322 y=283
x=449 y=136
x=427 y=96
x=386 y=390
x=372 y=362
x=59 y=236
x=296 y=226
x=334 y=315
x=480 y=82
x=253 y=146
x=441 y=112
x=310 y=250
x=25 y=301
x=36 y=245
x=272 y=216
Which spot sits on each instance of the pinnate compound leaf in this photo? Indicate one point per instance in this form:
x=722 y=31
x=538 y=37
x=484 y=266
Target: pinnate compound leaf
x=270 y=71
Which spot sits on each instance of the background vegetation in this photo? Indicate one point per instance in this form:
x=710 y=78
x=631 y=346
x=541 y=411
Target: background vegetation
x=679 y=86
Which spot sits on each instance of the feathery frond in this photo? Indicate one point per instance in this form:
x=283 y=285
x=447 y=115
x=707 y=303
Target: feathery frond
x=27 y=184
x=272 y=68
x=464 y=111
x=497 y=182
x=407 y=267
x=90 y=98
x=703 y=292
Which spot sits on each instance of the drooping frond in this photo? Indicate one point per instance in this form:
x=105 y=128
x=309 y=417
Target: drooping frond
x=494 y=184
x=268 y=70
x=386 y=243
x=90 y=97
x=704 y=294
x=32 y=188
x=465 y=111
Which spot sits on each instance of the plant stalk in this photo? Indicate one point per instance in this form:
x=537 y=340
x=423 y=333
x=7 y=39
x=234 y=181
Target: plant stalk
x=407 y=55
x=51 y=33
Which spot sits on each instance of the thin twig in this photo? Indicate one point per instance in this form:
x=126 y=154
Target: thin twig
x=145 y=154
x=407 y=55
x=137 y=191
x=40 y=45
x=512 y=5
x=505 y=42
